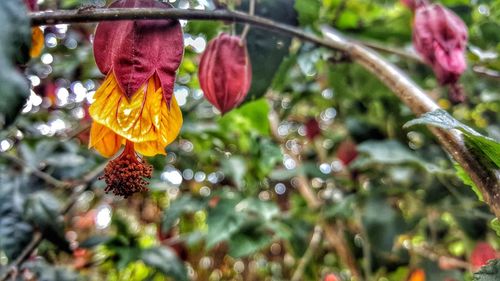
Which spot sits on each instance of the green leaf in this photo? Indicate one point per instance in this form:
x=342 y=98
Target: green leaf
x=489 y=272
x=382 y=223
x=223 y=221
x=461 y=174
x=42 y=210
x=246 y=243
x=251 y=117
x=308 y=11
x=236 y=168
x=486 y=148
x=388 y=152
x=495 y=224
x=183 y=205
x=45 y=271
x=15 y=232
x=166 y=261
x=15 y=41
x=267 y=50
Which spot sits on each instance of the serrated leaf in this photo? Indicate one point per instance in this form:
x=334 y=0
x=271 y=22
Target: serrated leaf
x=223 y=221
x=267 y=50
x=487 y=148
x=183 y=205
x=246 y=243
x=495 y=224
x=388 y=152
x=308 y=11
x=166 y=261
x=15 y=41
x=44 y=271
x=462 y=175
x=251 y=117
x=489 y=272
x=42 y=210
x=15 y=232
x=382 y=223
x=235 y=167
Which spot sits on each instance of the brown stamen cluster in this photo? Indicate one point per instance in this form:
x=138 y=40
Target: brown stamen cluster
x=126 y=174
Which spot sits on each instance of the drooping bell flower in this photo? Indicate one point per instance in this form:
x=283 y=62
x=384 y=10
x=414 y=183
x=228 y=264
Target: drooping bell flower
x=135 y=105
x=37 y=39
x=225 y=72
x=440 y=37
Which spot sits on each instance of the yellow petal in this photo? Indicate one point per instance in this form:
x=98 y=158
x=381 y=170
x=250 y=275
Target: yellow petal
x=37 y=41
x=125 y=117
x=171 y=121
x=169 y=125
x=104 y=140
x=144 y=119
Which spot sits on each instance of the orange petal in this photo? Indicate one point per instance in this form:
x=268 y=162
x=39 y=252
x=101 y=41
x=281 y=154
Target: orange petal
x=104 y=140
x=125 y=117
x=37 y=42
x=167 y=130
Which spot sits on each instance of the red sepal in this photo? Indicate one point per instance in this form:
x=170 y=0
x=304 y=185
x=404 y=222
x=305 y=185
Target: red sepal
x=135 y=49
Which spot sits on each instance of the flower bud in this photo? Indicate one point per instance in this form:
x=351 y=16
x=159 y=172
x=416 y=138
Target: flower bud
x=225 y=72
x=440 y=37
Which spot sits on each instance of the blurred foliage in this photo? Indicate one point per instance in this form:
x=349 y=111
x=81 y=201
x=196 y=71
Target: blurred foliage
x=227 y=202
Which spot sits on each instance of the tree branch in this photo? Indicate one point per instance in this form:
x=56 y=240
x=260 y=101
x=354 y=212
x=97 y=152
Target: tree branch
x=485 y=178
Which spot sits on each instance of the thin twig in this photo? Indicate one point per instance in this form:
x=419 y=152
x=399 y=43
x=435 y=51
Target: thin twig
x=251 y=11
x=79 y=188
x=334 y=236
x=42 y=175
x=309 y=253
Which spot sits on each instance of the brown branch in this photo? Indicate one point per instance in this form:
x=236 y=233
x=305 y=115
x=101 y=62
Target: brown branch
x=79 y=188
x=334 y=235
x=485 y=178
x=309 y=253
x=42 y=175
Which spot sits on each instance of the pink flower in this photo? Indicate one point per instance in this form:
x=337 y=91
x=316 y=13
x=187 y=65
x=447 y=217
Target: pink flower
x=440 y=37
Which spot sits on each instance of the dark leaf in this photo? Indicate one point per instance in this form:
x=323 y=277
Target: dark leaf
x=489 y=272
x=166 y=261
x=42 y=210
x=183 y=205
x=15 y=41
x=487 y=148
x=15 y=233
x=267 y=50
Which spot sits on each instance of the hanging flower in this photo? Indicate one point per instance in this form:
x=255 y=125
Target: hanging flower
x=225 y=72
x=37 y=39
x=440 y=37
x=135 y=105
